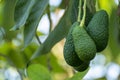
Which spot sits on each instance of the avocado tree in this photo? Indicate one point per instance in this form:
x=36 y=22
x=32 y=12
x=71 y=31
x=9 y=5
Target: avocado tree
x=86 y=35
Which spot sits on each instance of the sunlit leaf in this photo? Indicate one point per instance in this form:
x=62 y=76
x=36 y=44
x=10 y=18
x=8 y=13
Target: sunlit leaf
x=40 y=33
x=33 y=20
x=22 y=11
x=38 y=72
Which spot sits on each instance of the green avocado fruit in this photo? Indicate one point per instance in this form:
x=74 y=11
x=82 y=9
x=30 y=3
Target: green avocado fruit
x=98 y=29
x=84 y=45
x=70 y=55
x=82 y=67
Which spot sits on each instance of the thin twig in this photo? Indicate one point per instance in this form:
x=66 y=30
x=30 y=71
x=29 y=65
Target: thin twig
x=84 y=14
x=38 y=39
x=49 y=63
x=79 y=13
x=49 y=17
x=50 y=28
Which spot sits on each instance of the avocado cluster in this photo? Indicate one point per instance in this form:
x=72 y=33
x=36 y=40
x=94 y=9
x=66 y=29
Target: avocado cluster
x=82 y=42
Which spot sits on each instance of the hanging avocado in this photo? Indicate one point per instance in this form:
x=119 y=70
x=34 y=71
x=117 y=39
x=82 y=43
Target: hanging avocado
x=98 y=29
x=84 y=45
x=70 y=55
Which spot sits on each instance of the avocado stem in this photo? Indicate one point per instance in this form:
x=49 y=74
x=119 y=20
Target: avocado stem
x=79 y=13
x=84 y=15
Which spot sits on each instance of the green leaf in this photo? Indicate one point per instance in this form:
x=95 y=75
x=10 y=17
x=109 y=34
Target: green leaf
x=33 y=20
x=22 y=11
x=13 y=55
x=40 y=33
x=79 y=75
x=60 y=30
x=52 y=63
x=17 y=58
x=38 y=72
x=7 y=8
x=28 y=51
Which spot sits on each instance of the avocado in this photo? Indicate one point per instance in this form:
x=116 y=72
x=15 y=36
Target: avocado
x=98 y=29
x=84 y=44
x=70 y=55
x=82 y=67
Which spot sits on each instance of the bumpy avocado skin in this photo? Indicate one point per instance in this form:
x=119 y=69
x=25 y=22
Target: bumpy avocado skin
x=84 y=45
x=98 y=29
x=70 y=55
x=82 y=67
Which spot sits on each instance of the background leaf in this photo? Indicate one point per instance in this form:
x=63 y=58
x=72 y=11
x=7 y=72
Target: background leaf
x=79 y=75
x=13 y=54
x=38 y=72
x=22 y=11
x=33 y=20
x=54 y=65
x=7 y=8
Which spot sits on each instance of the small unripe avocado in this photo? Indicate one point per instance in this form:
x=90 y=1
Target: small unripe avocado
x=70 y=55
x=84 y=45
x=98 y=29
x=82 y=67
